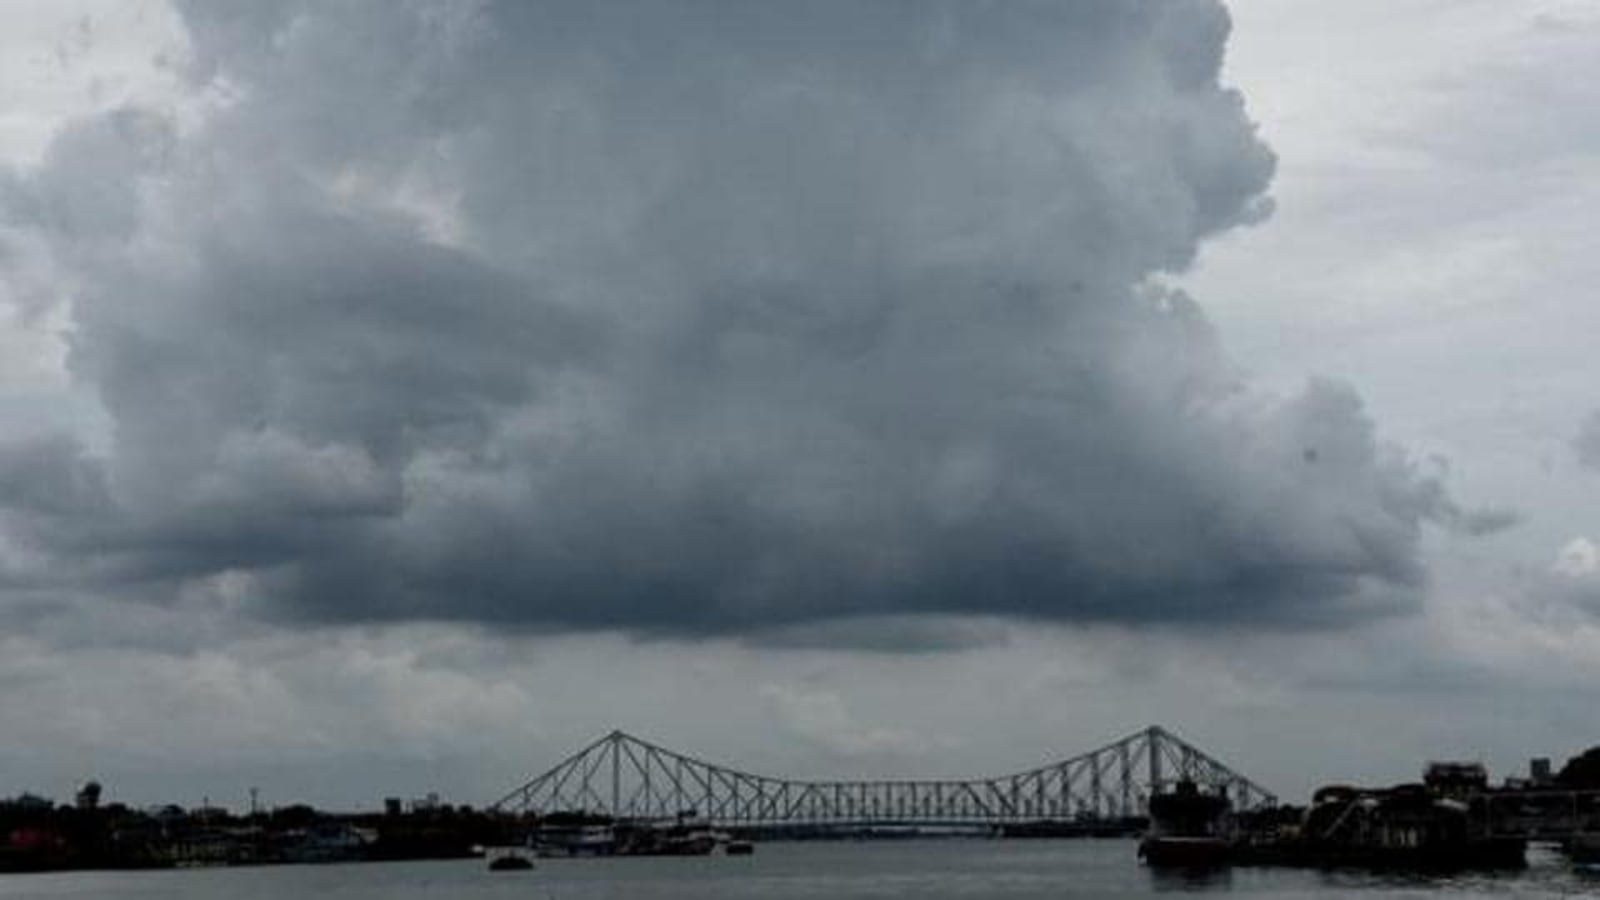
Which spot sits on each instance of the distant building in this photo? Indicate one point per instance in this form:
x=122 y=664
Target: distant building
x=89 y=796
x=1539 y=770
x=30 y=802
x=1454 y=777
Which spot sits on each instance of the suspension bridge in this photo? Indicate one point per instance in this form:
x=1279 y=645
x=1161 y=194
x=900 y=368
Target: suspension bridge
x=624 y=777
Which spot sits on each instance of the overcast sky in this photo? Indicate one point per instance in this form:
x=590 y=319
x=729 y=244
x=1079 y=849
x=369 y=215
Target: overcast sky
x=394 y=396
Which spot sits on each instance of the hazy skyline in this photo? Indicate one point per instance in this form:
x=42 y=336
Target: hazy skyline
x=396 y=396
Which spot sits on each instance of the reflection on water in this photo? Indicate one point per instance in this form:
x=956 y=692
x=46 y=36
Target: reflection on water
x=928 y=870
x=1163 y=880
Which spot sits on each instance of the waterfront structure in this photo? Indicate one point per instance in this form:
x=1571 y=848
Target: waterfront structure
x=1440 y=824
x=1452 y=819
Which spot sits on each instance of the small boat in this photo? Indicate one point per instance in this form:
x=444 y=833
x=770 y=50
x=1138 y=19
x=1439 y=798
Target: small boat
x=738 y=848
x=508 y=861
x=688 y=839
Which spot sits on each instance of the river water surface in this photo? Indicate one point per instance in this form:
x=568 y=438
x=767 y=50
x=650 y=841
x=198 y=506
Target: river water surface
x=790 y=871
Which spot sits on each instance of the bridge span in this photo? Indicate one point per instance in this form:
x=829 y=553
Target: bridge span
x=626 y=777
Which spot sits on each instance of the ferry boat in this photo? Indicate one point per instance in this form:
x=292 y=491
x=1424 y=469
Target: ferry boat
x=571 y=834
x=575 y=834
x=686 y=835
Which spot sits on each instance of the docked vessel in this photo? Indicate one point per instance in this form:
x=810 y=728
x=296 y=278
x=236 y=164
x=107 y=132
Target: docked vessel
x=1189 y=828
x=686 y=835
x=574 y=834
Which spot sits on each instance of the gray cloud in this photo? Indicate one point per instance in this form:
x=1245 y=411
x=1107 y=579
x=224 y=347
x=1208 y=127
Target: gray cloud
x=1587 y=443
x=1568 y=590
x=695 y=318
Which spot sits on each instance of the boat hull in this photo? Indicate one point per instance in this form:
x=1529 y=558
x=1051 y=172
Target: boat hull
x=1185 y=852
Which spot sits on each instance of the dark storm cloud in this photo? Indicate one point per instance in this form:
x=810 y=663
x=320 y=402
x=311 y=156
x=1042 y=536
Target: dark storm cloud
x=691 y=317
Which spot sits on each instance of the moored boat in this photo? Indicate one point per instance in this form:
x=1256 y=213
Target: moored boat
x=1189 y=828
x=574 y=834
x=686 y=835
x=507 y=859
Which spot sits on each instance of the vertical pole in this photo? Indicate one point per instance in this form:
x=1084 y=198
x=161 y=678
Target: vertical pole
x=1153 y=745
x=1096 y=791
x=616 y=775
x=1127 y=779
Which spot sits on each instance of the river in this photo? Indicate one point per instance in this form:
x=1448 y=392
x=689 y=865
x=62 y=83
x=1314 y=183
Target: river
x=931 y=870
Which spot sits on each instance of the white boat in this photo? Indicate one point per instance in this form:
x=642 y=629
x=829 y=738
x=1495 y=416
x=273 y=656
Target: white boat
x=575 y=839
x=507 y=859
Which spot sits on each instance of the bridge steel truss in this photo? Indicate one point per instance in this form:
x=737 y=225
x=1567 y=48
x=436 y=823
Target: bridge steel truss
x=620 y=775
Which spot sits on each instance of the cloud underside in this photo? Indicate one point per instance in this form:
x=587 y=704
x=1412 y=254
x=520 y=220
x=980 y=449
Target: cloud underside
x=1587 y=443
x=687 y=318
